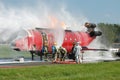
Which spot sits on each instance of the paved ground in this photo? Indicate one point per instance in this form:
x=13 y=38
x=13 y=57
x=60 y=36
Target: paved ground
x=18 y=64
x=23 y=64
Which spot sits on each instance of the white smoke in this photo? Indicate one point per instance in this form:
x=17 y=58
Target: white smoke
x=98 y=55
x=14 y=19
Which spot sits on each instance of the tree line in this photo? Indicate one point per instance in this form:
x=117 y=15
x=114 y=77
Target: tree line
x=110 y=33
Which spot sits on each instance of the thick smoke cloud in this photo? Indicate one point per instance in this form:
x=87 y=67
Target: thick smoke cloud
x=14 y=19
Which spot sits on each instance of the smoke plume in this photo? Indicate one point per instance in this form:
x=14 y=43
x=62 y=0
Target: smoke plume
x=14 y=19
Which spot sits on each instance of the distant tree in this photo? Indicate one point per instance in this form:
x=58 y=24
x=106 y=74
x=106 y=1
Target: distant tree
x=111 y=33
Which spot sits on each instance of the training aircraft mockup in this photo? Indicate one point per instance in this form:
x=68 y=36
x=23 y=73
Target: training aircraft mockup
x=40 y=36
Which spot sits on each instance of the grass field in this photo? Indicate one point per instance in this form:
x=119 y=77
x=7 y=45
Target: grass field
x=91 y=71
x=7 y=52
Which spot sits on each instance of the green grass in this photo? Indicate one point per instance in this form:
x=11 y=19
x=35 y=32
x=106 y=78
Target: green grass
x=91 y=71
x=7 y=52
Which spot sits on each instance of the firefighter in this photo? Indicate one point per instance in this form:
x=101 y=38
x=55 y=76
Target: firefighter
x=56 y=55
x=33 y=51
x=62 y=53
x=54 y=50
x=45 y=50
x=72 y=51
x=78 y=54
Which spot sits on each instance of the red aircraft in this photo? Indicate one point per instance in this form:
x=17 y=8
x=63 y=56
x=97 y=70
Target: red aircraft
x=38 y=37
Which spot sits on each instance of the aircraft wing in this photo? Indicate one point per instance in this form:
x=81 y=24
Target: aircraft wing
x=87 y=49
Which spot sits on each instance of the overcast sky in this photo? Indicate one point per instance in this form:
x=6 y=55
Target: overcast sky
x=95 y=11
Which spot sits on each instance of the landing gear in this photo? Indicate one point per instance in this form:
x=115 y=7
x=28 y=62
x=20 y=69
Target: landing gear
x=38 y=53
x=71 y=56
x=118 y=54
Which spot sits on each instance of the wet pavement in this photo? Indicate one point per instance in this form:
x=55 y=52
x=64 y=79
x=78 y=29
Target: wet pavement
x=11 y=63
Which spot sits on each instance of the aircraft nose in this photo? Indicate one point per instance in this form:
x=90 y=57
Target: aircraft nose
x=13 y=45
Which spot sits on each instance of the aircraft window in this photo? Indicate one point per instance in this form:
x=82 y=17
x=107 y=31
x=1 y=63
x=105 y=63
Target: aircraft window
x=65 y=38
x=21 y=34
